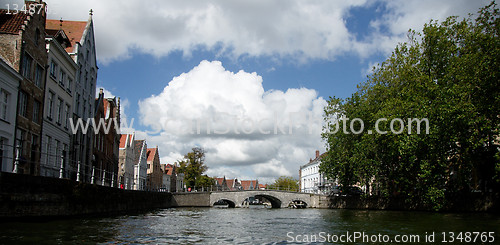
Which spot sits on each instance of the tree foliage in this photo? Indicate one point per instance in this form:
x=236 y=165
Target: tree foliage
x=449 y=74
x=193 y=166
x=285 y=183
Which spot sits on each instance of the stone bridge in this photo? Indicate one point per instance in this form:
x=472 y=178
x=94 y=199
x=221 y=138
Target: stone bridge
x=278 y=199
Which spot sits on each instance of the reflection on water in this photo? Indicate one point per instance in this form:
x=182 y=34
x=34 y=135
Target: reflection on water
x=242 y=226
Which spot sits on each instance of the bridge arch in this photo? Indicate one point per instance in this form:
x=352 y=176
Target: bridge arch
x=230 y=203
x=275 y=202
x=278 y=199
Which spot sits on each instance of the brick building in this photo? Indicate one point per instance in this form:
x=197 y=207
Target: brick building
x=155 y=174
x=22 y=45
x=106 y=141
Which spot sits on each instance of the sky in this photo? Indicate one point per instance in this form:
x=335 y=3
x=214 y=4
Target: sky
x=247 y=80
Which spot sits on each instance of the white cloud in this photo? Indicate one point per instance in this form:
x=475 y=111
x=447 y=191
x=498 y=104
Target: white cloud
x=295 y=29
x=267 y=133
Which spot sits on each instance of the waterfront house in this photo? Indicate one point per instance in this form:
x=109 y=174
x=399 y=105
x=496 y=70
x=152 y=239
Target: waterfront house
x=22 y=46
x=58 y=108
x=9 y=83
x=140 y=164
x=126 y=161
x=311 y=180
x=155 y=174
x=106 y=141
x=82 y=51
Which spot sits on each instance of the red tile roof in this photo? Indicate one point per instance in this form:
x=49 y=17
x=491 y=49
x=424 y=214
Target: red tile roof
x=11 y=23
x=124 y=141
x=245 y=184
x=73 y=29
x=151 y=154
x=261 y=186
x=220 y=180
x=230 y=183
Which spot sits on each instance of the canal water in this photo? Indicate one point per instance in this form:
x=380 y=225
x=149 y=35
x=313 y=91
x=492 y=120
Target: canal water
x=257 y=226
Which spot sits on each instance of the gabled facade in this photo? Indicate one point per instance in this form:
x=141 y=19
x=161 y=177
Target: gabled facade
x=233 y=185
x=140 y=165
x=82 y=51
x=221 y=184
x=22 y=45
x=155 y=174
x=59 y=88
x=9 y=83
x=169 y=178
x=250 y=185
x=126 y=161
x=106 y=141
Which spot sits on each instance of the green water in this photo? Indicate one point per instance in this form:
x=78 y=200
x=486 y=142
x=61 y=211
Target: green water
x=256 y=226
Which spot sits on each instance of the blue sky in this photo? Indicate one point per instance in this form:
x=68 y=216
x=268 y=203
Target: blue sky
x=257 y=61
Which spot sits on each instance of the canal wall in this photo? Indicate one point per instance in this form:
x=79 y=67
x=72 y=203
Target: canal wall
x=190 y=199
x=473 y=202
x=36 y=196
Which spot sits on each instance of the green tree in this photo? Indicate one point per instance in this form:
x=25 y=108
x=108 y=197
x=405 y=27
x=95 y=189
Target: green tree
x=205 y=182
x=285 y=183
x=193 y=166
x=449 y=74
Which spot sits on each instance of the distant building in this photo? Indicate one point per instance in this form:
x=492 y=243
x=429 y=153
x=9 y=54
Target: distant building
x=250 y=185
x=9 y=83
x=155 y=174
x=262 y=187
x=59 y=88
x=22 y=46
x=169 y=178
x=311 y=180
x=179 y=182
x=140 y=164
x=126 y=161
x=220 y=184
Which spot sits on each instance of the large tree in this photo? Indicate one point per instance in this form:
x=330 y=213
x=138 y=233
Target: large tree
x=448 y=74
x=285 y=183
x=193 y=166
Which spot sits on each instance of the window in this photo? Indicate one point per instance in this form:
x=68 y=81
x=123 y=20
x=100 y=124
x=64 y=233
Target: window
x=66 y=115
x=38 y=76
x=49 y=150
x=70 y=84
x=20 y=140
x=4 y=104
x=77 y=108
x=62 y=78
x=50 y=105
x=27 y=61
x=58 y=151
x=23 y=103
x=53 y=69
x=59 y=111
x=36 y=111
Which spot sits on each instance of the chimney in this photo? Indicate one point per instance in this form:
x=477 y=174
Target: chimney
x=317 y=154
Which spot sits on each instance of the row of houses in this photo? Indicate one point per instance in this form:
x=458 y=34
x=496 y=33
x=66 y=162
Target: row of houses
x=48 y=78
x=223 y=184
x=139 y=167
x=48 y=74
